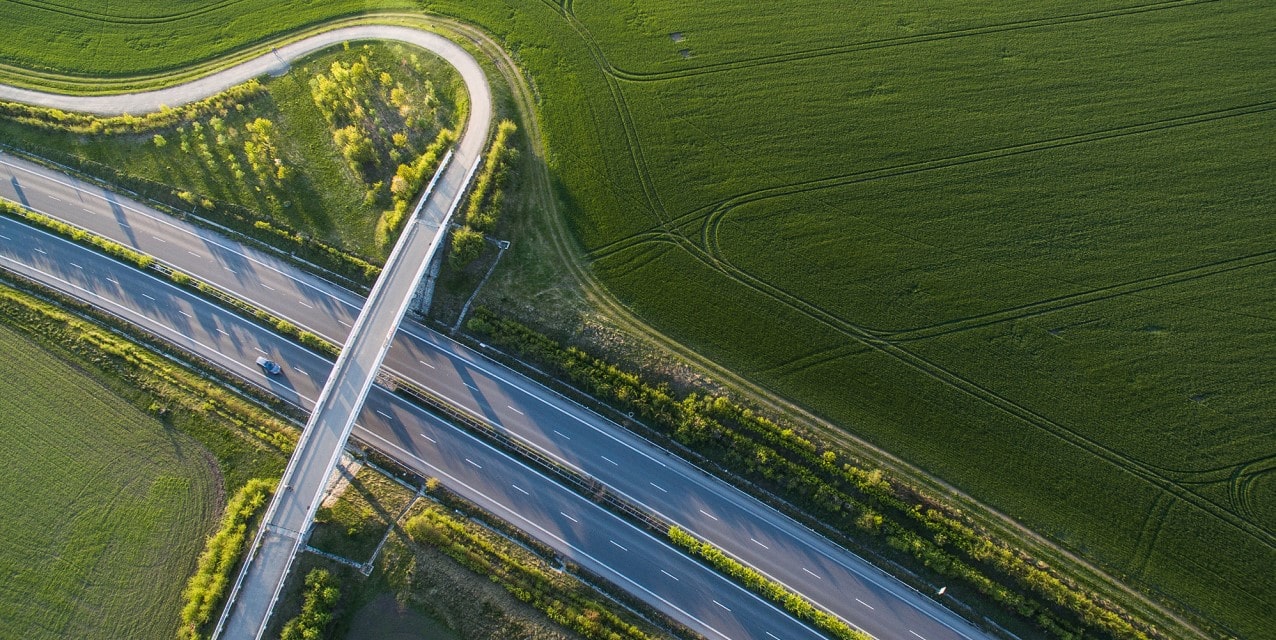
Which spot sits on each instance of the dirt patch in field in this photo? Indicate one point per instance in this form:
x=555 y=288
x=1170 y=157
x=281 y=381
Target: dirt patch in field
x=384 y=618
x=468 y=604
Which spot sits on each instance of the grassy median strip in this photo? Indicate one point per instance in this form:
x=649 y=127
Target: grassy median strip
x=795 y=604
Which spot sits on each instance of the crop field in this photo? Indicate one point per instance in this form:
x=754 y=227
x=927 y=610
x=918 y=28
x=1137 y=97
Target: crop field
x=151 y=36
x=105 y=508
x=1027 y=247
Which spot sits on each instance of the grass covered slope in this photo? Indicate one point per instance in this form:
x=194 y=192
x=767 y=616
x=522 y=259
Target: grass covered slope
x=297 y=154
x=106 y=509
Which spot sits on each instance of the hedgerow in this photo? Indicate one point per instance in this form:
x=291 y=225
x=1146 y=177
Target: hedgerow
x=765 y=587
x=855 y=500
x=87 y=123
x=486 y=197
x=206 y=588
x=320 y=597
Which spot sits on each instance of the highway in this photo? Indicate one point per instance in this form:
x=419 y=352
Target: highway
x=646 y=474
x=630 y=466
x=580 y=531
x=292 y=508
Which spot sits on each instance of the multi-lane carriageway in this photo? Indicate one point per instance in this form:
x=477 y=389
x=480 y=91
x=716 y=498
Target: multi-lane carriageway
x=630 y=466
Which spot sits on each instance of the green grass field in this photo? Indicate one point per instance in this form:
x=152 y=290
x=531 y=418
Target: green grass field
x=1024 y=246
x=106 y=508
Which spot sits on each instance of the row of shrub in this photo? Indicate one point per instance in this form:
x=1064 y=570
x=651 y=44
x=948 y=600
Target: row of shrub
x=528 y=579
x=320 y=597
x=765 y=587
x=355 y=269
x=79 y=122
x=222 y=552
x=486 y=197
x=108 y=247
x=143 y=261
x=405 y=184
x=819 y=479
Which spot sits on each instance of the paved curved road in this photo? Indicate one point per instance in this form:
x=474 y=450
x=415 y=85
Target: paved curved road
x=761 y=537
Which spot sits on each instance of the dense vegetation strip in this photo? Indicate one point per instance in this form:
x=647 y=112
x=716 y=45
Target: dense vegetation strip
x=88 y=123
x=765 y=587
x=486 y=197
x=858 y=502
x=321 y=595
x=564 y=600
x=206 y=589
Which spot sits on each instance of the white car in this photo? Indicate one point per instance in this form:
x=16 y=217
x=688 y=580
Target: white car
x=271 y=367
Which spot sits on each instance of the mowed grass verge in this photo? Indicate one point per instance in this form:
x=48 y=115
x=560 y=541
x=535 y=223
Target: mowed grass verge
x=106 y=508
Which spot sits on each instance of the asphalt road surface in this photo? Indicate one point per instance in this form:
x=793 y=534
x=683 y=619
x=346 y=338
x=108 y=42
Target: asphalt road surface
x=576 y=528
x=646 y=474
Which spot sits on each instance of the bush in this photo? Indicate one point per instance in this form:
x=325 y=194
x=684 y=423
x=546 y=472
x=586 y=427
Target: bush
x=222 y=552
x=316 y=611
x=467 y=245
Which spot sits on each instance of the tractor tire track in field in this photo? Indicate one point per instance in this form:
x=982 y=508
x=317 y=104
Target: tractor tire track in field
x=1241 y=484
x=718 y=211
x=101 y=16
x=958 y=382
x=810 y=54
x=954 y=380
x=717 y=216
x=815 y=359
x=1146 y=543
x=637 y=155
x=1051 y=305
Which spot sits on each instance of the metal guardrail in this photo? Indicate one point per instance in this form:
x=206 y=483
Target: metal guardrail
x=584 y=484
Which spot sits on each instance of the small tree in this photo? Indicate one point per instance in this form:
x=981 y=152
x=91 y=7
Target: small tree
x=467 y=245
